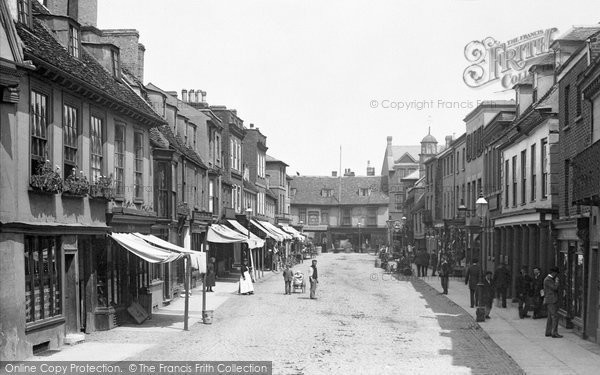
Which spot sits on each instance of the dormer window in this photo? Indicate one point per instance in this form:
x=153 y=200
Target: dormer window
x=115 y=64
x=73 y=41
x=364 y=192
x=24 y=11
x=327 y=193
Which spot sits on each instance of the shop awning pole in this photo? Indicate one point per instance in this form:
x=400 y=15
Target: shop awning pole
x=186 y=312
x=204 y=278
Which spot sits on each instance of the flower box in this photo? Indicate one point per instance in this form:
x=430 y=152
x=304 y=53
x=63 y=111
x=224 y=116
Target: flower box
x=102 y=188
x=76 y=185
x=46 y=180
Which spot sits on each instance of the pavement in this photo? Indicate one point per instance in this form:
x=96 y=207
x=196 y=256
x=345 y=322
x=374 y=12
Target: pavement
x=524 y=339
x=364 y=321
x=168 y=320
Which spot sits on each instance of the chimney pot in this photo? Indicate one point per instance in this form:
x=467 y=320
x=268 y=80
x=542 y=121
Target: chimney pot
x=190 y=96
x=184 y=95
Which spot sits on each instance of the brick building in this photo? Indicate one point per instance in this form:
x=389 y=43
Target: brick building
x=577 y=228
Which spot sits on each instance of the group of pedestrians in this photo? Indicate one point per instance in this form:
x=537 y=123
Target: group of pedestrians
x=534 y=293
x=313 y=277
x=423 y=260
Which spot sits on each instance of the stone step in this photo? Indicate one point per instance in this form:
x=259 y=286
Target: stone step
x=74 y=338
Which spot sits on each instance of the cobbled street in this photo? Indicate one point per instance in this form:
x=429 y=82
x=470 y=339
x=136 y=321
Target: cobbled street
x=363 y=322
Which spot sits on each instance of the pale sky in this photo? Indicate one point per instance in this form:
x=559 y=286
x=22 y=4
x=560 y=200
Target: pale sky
x=306 y=71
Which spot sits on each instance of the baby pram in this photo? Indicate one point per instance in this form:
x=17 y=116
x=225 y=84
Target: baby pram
x=298 y=282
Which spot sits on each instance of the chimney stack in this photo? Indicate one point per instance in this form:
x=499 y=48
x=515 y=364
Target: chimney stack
x=198 y=94
x=333 y=173
x=370 y=170
x=191 y=96
x=449 y=140
x=184 y=96
x=251 y=126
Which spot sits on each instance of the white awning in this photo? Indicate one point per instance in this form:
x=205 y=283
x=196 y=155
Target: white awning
x=162 y=243
x=286 y=236
x=293 y=231
x=145 y=250
x=277 y=237
x=254 y=241
x=218 y=233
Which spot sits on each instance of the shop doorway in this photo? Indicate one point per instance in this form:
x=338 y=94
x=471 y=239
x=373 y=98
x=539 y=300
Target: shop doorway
x=72 y=301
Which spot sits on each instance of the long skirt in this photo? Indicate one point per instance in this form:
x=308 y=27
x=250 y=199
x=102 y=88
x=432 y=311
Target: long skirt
x=246 y=285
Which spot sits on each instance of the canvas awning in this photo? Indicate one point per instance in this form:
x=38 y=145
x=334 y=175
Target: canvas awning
x=277 y=237
x=145 y=250
x=285 y=235
x=197 y=258
x=254 y=241
x=293 y=232
x=218 y=233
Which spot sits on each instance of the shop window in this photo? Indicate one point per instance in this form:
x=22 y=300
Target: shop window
x=43 y=288
x=38 y=118
x=576 y=274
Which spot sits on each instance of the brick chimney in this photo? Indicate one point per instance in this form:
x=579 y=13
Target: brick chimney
x=449 y=140
x=370 y=170
x=389 y=146
x=191 y=96
x=333 y=173
x=184 y=95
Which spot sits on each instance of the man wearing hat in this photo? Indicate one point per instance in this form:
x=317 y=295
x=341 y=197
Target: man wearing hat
x=551 y=302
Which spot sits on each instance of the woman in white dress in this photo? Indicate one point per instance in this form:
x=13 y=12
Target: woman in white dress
x=246 y=286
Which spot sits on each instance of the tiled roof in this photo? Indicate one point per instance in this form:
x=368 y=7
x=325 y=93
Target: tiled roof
x=40 y=46
x=412 y=176
x=271 y=159
x=177 y=143
x=308 y=190
x=157 y=139
x=578 y=33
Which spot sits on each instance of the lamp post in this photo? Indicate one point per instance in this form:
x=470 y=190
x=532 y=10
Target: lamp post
x=359 y=239
x=481 y=208
x=403 y=232
x=390 y=226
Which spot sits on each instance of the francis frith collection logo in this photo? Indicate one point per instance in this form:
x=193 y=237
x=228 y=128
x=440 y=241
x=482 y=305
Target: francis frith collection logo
x=493 y=61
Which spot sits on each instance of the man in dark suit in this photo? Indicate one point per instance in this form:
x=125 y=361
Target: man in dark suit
x=501 y=282
x=287 y=278
x=538 y=294
x=522 y=289
x=472 y=279
x=444 y=272
x=488 y=293
x=551 y=302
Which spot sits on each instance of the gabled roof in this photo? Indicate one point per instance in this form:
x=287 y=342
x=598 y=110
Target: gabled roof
x=270 y=159
x=309 y=188
x=399 y=152
x=41 y=47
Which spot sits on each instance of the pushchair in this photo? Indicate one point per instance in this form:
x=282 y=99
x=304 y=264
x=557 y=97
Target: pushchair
x=298 y=282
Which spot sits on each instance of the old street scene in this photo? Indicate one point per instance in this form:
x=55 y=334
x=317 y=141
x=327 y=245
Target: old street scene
x=299 y=187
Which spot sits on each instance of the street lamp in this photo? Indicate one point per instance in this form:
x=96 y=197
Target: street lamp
x=390 y=225
x=248 y=216
x=359 y=239
x=481 y=206
x=403 y=232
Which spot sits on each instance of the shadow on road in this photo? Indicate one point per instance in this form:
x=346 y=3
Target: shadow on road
x=471 y=346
